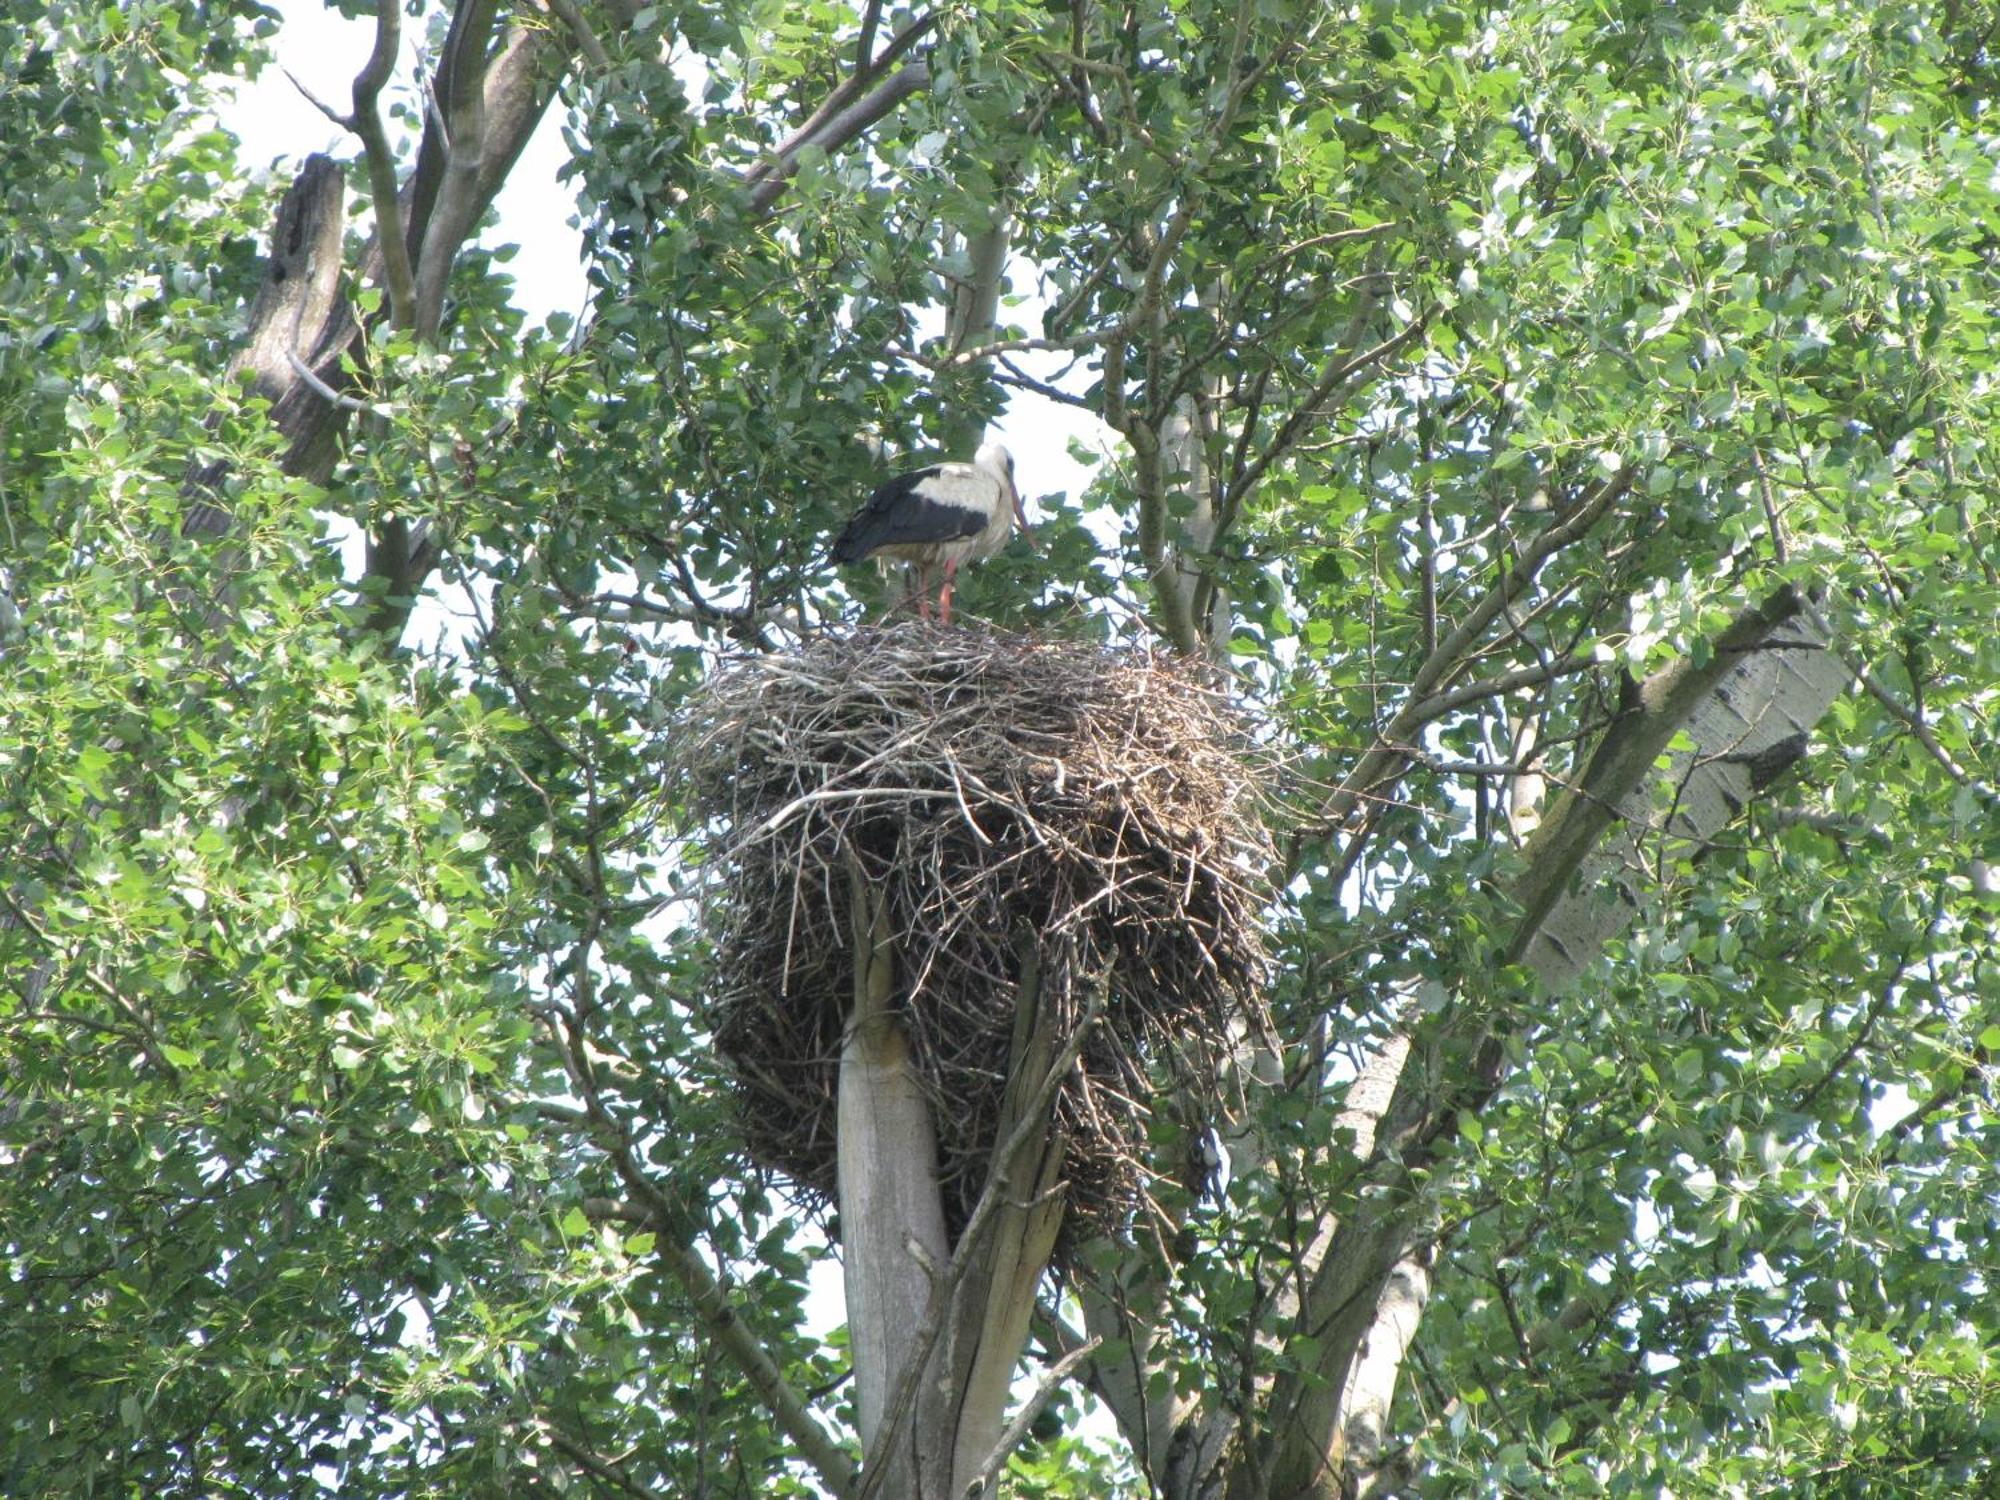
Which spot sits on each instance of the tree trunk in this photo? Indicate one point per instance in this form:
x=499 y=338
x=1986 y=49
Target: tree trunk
x=891 y=1215
x=936 y=1330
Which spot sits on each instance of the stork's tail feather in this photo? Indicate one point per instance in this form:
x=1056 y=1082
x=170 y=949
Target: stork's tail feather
x=858 y=539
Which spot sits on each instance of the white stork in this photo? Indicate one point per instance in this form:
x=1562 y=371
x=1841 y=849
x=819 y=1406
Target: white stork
x=938 y=518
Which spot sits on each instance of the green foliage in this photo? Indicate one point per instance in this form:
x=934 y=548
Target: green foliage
x=350 y=993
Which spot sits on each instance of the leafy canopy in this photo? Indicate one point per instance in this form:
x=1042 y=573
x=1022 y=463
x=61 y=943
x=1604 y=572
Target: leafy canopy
x=356 y=1102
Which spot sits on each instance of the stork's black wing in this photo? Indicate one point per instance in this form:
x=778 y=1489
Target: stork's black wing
x=921 y=506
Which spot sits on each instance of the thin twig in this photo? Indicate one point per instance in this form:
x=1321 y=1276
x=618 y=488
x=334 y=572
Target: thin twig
x=1024 y=1419
x=318 y=103
x=320 y=388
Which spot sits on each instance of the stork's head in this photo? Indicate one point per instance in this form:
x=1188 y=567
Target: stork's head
x=998 y=462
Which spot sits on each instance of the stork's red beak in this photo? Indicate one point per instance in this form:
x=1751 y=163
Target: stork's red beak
x=1021 y=520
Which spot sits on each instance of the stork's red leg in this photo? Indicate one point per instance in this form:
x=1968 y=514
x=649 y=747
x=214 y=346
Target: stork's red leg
x=944 y=599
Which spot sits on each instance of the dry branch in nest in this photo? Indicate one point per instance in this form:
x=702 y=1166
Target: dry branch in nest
x=995 y=790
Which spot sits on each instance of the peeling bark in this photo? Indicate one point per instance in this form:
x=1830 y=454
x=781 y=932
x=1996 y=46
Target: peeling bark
x=300 y=310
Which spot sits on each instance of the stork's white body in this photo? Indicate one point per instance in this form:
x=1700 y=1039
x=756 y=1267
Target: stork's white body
x=938 y=518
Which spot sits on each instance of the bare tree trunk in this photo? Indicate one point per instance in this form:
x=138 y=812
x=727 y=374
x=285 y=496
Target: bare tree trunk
x=891 y=1215
x=937 y=1330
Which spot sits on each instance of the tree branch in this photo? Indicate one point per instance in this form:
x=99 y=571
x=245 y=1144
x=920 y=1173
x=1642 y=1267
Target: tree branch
x=485 y=112
x=1498 y=686
x=866 y=72
x=366 y=122
x=1383 y=763
x=839 y=129
x=586 y=39
x=461 y=132
x=705 y=1291
x=327 y=392
x=864 y=45
x=794 y=1418
x=1024 y=1419
x=1176 y=614
x=1331 y=379
x=1903 y=712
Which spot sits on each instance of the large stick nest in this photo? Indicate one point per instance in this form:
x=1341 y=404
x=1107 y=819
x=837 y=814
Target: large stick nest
x=1005 y=796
